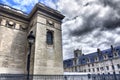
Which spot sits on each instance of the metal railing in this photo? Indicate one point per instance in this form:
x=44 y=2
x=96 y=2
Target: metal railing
x=106 y=77
x=58 y=77
x=42 y=77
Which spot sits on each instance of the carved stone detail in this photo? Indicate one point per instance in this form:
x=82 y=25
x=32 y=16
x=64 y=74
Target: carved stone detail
x=23 y=28
x=10 y=24
x=3 y=22
x=50 y=23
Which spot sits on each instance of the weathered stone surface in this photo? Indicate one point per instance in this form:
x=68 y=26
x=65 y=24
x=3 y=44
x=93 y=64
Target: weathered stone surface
x=12 y=50
x=14 y=47
x=48 y=58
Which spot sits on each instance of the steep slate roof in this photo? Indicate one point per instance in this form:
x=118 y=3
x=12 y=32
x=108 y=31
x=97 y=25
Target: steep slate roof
x=82 y=60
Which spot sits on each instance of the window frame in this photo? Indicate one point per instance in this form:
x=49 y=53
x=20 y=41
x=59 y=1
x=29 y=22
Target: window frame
x=50 y=37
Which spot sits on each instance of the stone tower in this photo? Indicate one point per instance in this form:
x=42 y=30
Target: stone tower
x=77 y=53
x=15 y=26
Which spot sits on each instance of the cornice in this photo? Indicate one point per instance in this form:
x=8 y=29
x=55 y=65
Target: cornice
x=38 y=8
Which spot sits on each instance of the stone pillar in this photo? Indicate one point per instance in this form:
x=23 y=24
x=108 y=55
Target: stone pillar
x=47 y=58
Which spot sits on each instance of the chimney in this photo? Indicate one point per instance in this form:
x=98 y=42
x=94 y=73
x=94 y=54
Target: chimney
x=99 y=52
x=112 y=48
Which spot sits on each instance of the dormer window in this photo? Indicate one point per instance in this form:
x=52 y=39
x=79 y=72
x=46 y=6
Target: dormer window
x=96 y=58
x=117 y=50
x=115 y=54
x=87 y=60
x=105 y=56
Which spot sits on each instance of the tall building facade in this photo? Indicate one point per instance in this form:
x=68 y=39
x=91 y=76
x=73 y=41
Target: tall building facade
x=100 y=62
x=46 y=52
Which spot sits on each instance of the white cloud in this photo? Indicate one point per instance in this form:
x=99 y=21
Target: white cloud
x=27 y=5
x=26 y=2
x=50 y=3
x=6 y=2
x=88 y=24
x=92 y=22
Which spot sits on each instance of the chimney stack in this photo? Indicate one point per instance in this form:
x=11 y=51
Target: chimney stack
x=112 y=47
x=99 y=51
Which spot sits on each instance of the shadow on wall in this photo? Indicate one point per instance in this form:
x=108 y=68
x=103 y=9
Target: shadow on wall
x=18 y=52
x=13 y=50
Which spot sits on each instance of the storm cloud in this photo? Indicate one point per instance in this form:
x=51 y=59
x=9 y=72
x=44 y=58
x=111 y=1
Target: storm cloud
x=89 y=24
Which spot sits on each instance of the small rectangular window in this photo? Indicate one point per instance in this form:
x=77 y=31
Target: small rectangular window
x=113 y=67
x=107 y=67
x=89 y=70
x=93 y=70
x=88 y=65
x=102 y=68
x=97 y=69
x=84 y=70
x=93 y=64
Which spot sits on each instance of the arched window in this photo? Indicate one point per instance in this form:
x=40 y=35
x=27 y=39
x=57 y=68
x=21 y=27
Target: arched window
x=49 y=37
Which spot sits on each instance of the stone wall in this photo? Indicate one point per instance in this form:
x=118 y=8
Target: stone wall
x=14 y=29
x=12 y=47
x=48 y=58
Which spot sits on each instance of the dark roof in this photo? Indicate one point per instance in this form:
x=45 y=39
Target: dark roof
x=91 y=57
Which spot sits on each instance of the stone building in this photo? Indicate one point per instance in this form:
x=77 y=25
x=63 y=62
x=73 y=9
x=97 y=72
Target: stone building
x=15 y=26
x=100 y=62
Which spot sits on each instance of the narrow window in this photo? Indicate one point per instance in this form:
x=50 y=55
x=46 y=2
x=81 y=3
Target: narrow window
x=113 y=67
x=88 y=65
x=49 y=37
x=0 y=20
x=84 y=70
x=89 y=70
x=93 y=64
x=107 y=67
x=115 y=54
x=102 y=68
x=93 y=70
x=118 y=65
x=105 y=56
x=97 y=69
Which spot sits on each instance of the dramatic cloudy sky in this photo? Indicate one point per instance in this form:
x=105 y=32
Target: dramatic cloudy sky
x=88 y=24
